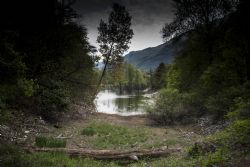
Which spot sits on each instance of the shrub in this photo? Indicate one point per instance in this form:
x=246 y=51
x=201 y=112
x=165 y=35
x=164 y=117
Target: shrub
x=171 y=106
x=236 y=136
x=219 y=105
x=241 y=110
x=27 y=87
x=53 y=98
x=49 y=142
x=12 y=156
x=221 y=148
x=89 y=131
x=201 y=148
x=4 y=114
x=221 y=158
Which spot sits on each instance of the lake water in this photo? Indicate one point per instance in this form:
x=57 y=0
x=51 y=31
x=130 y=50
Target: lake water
x=111 y=102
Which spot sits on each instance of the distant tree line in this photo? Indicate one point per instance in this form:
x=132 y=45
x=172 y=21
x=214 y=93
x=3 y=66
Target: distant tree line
x=126 y=78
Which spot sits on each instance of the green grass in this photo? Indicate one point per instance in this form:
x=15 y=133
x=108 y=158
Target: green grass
x=42 y=141
x=12 y=156
x=89 y=131
x=168 y=142
x=107 y=135
x=114 y=136
x=60 y=160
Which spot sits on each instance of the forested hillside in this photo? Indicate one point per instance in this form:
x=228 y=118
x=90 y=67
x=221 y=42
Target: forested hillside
x=149 y=58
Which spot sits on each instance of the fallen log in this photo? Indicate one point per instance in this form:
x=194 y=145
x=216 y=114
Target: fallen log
x=107 y=154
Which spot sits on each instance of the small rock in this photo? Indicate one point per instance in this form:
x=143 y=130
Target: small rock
x=41 y=121
x=164 y=147
x=134 y=157
x=27 y=131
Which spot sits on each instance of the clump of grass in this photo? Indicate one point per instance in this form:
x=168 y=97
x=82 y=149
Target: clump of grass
x=89 y=131
x=114 y=136
x=168 y=142
x=11 y=155
x=42 y=141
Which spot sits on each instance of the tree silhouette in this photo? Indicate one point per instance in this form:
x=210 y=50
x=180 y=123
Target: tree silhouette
x=198 y=15
x=114 y=36
x=159 y=76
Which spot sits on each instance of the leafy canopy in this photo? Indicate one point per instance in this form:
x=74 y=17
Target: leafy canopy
x=115 y=35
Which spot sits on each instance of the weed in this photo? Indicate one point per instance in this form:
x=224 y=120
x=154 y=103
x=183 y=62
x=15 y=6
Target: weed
x=89 y=131
x=50 y=142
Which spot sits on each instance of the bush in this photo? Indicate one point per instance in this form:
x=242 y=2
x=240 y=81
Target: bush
x=27 y=87
x=12 y=156
x=50 y=142
x=240 y=110
x=221 y=158
x=201 y=148
x=222 y=148
x=171 y=106
x=219 y=105
x=235 y=137
x=89 y=131
x=4 y=114
x=53 y=98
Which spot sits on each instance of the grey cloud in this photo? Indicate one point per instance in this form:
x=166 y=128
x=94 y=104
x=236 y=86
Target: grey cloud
x=143 y=11
x=148 y=17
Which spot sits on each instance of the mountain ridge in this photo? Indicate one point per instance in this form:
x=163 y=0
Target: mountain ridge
x=149 y=58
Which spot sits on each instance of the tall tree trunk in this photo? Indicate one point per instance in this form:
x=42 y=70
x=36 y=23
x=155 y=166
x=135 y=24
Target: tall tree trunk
x=104 y=70
x=120 y=87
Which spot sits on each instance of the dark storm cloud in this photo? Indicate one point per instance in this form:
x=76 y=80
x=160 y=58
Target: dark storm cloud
x=148 y=17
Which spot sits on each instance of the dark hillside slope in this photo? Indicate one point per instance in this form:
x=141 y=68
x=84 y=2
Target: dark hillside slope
x=150 y=58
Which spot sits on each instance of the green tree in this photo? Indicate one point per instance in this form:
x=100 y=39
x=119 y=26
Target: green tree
x=159 y=76
x=130 y=72
x=118 y=75
x=201 y=16
x=197 y=14
x=140 y=81
x=114 y=36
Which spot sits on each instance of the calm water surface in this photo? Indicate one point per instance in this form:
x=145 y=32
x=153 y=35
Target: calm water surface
x=112 y=103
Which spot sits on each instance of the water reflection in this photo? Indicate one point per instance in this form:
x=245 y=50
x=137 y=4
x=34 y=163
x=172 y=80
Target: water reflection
x=113 y=103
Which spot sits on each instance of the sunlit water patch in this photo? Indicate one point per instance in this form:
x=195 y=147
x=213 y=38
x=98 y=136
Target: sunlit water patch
x=112 y=103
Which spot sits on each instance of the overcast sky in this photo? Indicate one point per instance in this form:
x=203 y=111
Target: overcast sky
x=148 y=18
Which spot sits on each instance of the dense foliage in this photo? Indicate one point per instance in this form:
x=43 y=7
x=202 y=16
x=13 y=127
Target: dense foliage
x=126 y=78
x=114 y=36
x=158 y=77
x=211 y=78
x=44 y=61
x=201 y=82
